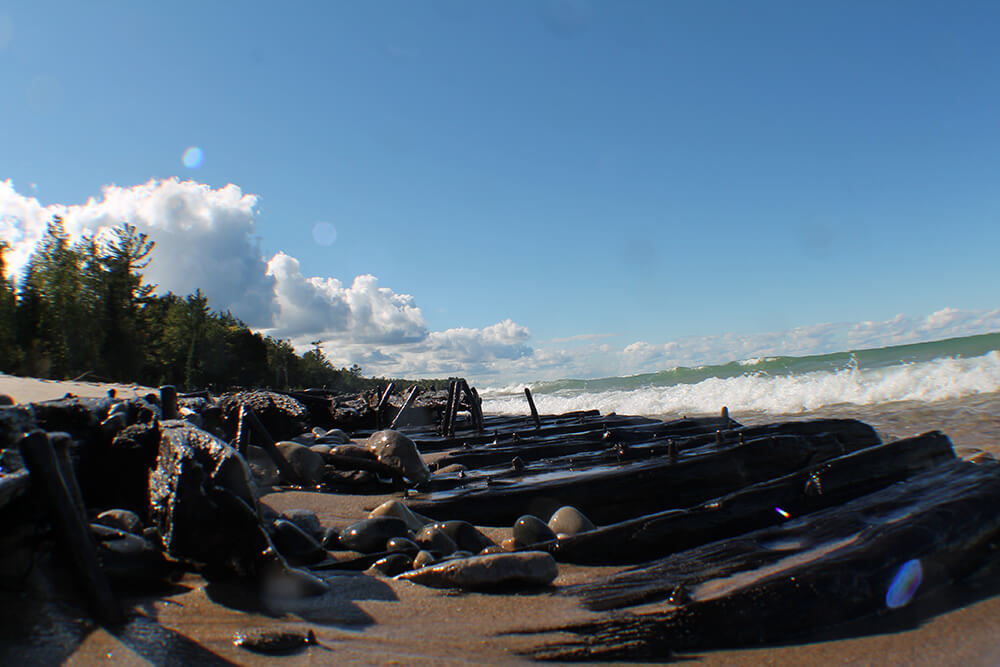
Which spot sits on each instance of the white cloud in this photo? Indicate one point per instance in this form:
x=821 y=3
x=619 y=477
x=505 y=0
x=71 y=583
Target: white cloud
x=204 y=237
x=323 y=308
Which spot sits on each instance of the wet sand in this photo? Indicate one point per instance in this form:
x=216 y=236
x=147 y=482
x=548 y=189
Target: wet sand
x=368 y=621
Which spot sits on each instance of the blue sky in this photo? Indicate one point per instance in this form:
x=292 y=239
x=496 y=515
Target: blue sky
x=535 y=186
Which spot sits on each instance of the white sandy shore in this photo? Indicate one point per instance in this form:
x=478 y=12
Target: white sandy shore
x=403 y=624
x=29 y=390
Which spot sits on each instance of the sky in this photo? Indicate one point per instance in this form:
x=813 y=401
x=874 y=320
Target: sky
x=527 y=189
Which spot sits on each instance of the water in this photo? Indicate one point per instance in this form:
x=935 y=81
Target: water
x=917 y=374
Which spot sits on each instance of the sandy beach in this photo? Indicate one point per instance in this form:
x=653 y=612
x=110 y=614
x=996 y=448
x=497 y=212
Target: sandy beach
x=369 y=621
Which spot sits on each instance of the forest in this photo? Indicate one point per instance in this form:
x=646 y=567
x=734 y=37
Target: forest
x=82 y=310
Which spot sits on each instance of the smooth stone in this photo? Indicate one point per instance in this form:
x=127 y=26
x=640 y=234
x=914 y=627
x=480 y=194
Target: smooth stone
x=400 y=453
x=395 y=508
x=370 y=535
x=321 y=449
x=273 y=641
x=331 y=539
x=526 y=568
x=467 y=537
x=422 y=559
x=391 y=565
x=433 y=538
x=569 y=520
x=294 y=543
x=319 y=431
x=354 y=451
x=335 y=435
x=122 y=520
x=529 y=529
x=452 y=468
x=7 y=399
x=307 y=463
x=306 y=520
x=402 y=545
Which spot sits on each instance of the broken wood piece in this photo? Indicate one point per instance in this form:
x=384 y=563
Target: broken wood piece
x=414 y=390
x=756 y=506
x=168 y=401
x=534 y=410
x=41 y=461
x=382 y=403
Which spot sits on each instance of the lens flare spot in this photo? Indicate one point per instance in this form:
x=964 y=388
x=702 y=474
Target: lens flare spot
x=904 y=585
x=782 y=512
x=324 y=233
x=193 y=157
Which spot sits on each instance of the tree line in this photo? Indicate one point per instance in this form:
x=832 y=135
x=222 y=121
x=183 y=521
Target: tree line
x=83 y=310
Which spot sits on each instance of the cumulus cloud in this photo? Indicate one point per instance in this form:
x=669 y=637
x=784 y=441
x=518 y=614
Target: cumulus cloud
x=204 y=237
x=361 y=313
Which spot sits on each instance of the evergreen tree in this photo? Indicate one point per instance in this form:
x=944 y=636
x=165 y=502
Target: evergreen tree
x=10 y=353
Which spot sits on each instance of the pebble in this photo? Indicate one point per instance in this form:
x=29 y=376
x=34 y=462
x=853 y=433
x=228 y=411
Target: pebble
x=400 y=453
x=122 y=520
x=422 y=559
x=306 y=520
x=402 y=545
x=273 y=641
x=525 y=568
x=569 y=520
x=391 y=565
x=307 y=463
x=466 y=536
x=433 y=538
x=529 y=529
x=370 y=535
x=395 y=508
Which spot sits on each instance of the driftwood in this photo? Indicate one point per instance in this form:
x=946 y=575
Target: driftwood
x=865 y=559
x=72 y=530
x=382 y=403
x=534 y=410
x=612 y=493
x=414 y=390
x=757 y=506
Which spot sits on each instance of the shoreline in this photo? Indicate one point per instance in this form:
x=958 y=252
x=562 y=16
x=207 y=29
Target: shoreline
x=384 y=622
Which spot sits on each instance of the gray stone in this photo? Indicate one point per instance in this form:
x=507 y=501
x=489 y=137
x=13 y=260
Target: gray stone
x=307 y=521
x=422 y=559
x=569 y=520
x=391 y=565
x=121 y=519
x=307 y=463
x=370 y=535
x=525 y=568
x=400 y=453
x=529 y=529
x=397 y=509
x=433 y=538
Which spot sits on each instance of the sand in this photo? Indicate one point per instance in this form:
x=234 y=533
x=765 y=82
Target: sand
x=372 y=621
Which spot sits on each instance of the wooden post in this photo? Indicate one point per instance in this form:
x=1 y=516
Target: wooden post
x=478 y=402
x=453 y=413
x=414 y=390
x=534 y=411
x=242 y=430
x=446 y=417
x=267 y=443
x=168 y=401
x=474 y=407
x=384 y=401
x=61 y=448
x=43 y=465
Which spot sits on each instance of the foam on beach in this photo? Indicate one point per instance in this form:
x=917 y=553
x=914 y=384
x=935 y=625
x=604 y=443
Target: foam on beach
x=926 y=381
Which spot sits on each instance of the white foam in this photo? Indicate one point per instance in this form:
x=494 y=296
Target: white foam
x=929 y=381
